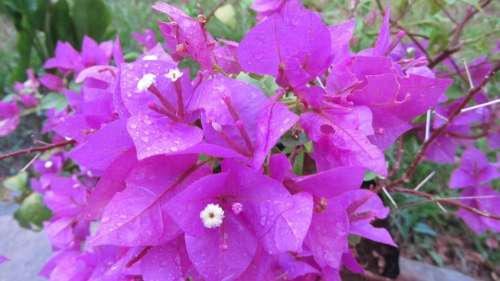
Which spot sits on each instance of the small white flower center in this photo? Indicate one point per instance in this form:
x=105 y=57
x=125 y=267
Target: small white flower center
x=48 y=164
x=146 y=81
x=150 y=57
x=212 y=216
x=174 y=74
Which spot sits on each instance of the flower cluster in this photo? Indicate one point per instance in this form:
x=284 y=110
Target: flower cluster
x=192 y=175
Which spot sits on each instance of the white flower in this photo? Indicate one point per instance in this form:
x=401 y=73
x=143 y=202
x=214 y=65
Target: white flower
x=212 y=216
x=48 y=164
x=146 y=81
x=174 y=74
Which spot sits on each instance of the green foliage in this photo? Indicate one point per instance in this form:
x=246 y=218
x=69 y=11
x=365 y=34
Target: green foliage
x=232 y=21
x=32 y=212
x=41 y=23
x=61 y=25
x=91 y=17
x=17 y=183
x=53 y=100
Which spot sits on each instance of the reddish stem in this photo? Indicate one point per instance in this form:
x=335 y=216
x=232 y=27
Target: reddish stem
x=450 y=202
x=421 y=154
x=36 y=149
x=239 y=123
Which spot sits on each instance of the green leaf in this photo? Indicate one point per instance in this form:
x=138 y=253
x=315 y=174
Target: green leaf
x=23 y=47
x=438 y=37
x=248 y=79
x=298 y=165
x=369 y=176
x=32 y=211
x=53 y=100
x=266 y=83
x=38 y=13
x=227 y=15
x=92 y=18
x=288 y=140
x=17 y=183
x=60 y=26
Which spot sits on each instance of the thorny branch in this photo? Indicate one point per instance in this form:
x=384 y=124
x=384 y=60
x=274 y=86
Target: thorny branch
x=392 y=186
x=420 y=156
x=454 y=45
x=471 y=12
x=36 y=149
x=447 y=201
x=443 y=56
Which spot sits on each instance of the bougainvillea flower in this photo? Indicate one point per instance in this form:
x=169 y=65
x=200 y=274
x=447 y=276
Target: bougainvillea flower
x=103 y=147
x=9 y=117
x=66 y=59
x=383 y=40
x=66 y=196
x=94 y=53
x=52 y=165
x=168 y=262
x=341 y=208
x=389 y=98
x=443 y=149
x=27 y=91
x=146 y=39
x=94 y=106
x=363 y=207
x=487 y=200
x=340 y=35
x=336 y=145
x=113 y=180
x=330 y=226
x=327 y=238
x=71 y=264
x=158 y=96
x=66 y=232
x=28 y=101
x=294 y=267
x=358 y=79
x=321 y=184
x=186 y=36
x=118 y=52
x=174 y=177
x=137 y=215
x=226 y=57
x=474 y=170
x=265 y=8
x=239 y=116
x=270 y=267
x=52 y=82
x=294 y=46
x=224 y=216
